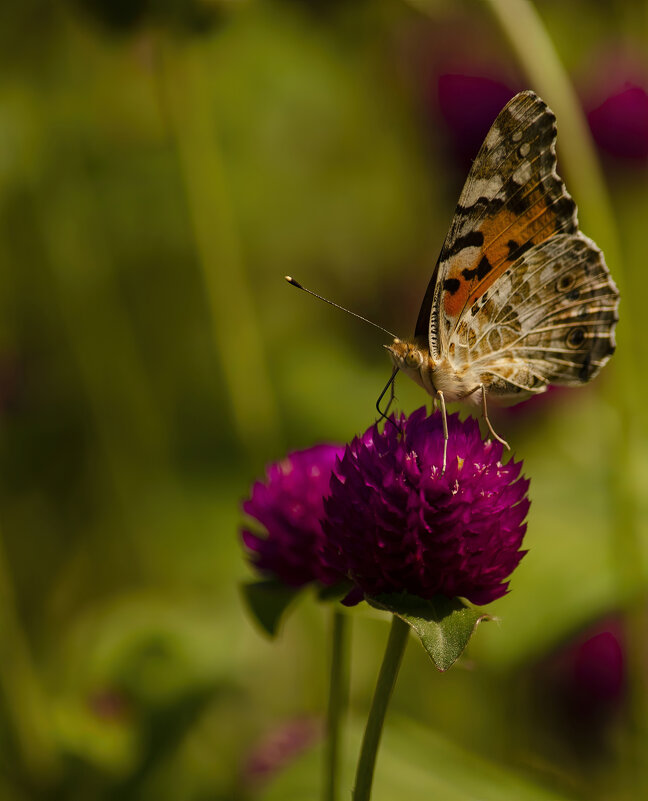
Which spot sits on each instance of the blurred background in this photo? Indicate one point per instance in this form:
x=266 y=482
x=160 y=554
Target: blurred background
x=163 y=164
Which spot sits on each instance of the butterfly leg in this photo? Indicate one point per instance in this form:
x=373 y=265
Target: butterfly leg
x=388 y=385
x=392 y=391
x=488 y=422
x=444 y=420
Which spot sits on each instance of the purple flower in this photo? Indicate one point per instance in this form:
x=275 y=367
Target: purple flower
x=469 y=105
x=589 y=673
x=394 y=522
x=619 y=123
x=613 y=86
x=581 y=689
x=281 y=746
x=290 y=504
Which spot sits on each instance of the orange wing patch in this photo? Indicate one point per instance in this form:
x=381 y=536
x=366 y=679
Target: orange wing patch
x=524 y=219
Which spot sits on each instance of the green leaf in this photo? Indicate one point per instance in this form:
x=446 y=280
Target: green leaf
x=444 y=625
x=267 y=601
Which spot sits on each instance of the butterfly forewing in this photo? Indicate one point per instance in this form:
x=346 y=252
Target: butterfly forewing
x=512 y=200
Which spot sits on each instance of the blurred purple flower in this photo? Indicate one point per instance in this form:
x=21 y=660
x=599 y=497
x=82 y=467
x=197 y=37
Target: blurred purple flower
x=533 y=407
x=394 y=522
x=290 y=505
x=279 y=748
x=580 y=690
x=589 y=673
x=109 y=705
x=619 y=124
x=469 y=105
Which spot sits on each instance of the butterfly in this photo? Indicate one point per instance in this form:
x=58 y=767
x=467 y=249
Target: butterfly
x=519 y=298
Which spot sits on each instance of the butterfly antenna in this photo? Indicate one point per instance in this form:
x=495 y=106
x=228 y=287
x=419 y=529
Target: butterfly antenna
x=292 y=281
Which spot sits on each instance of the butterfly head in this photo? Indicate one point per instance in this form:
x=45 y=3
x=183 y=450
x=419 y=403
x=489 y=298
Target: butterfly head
x=413 y=359
x=406 y=355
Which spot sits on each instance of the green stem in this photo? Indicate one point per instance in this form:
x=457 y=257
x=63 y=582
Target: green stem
x=337 y=701
x=188 y=98
x=103 y=342
x=386 y=680
x=20 y=685
x=545 y=73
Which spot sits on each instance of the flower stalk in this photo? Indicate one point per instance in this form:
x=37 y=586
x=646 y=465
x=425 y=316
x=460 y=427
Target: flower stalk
x=384 y=687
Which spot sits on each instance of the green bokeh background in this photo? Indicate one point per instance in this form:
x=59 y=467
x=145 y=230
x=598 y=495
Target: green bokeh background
x=163 y=165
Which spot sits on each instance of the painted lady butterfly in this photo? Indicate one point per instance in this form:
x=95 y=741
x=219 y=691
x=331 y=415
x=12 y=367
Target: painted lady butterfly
x=519 y=298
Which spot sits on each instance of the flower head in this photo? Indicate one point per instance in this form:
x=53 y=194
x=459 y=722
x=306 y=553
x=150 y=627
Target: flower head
x=290 y=504
x=586 y=678
x=280 y=746
x=395 y=522
x=581 y=688
x=620 y=123
x=469 y=105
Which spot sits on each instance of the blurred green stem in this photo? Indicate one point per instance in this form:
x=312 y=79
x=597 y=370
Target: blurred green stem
x=531 y=44
x=337 y=702
x=384 y=687
x=24 y=697
x=123 y=405
x=235 y=325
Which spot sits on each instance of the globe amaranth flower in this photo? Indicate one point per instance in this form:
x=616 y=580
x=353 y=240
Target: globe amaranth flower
x=278 y=748
x=619 y=124
x=614 y=89
x=468 y=106
x=395 y=522
x=290 y=505
x=584 y=683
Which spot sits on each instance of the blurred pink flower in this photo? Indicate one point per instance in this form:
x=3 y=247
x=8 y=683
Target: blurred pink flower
x=289 y=505
x=109 y=705
x=614 y=88
x=279 y=747
x=581 y=688
x=533 y=407
x=593 y=672
x=620 y=123
x=469 y=105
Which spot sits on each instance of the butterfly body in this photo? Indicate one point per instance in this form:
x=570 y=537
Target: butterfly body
x=456 y=382
x=519 y=298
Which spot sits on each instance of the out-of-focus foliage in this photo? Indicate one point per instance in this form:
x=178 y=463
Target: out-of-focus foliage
x=162 y=166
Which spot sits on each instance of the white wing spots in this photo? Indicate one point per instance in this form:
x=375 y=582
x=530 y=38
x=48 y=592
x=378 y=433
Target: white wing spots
x=523 y=173
x=481 y=187
x=464 y=259
x=493 y=136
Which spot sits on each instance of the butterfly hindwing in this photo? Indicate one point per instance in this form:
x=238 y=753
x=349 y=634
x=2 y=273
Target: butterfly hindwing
x=548 y=319
x=512 y=201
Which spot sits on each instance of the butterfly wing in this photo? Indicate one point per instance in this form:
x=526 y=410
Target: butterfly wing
x=548 y=319
x=513 y=200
